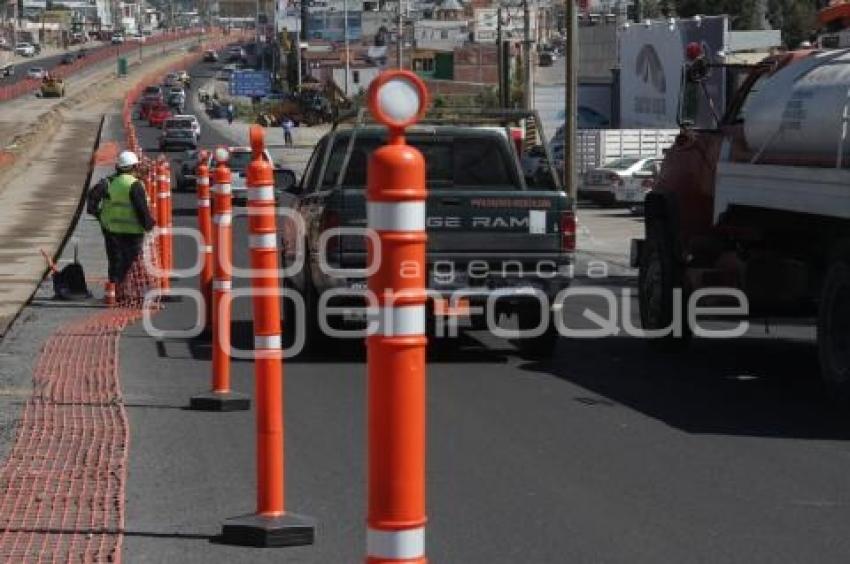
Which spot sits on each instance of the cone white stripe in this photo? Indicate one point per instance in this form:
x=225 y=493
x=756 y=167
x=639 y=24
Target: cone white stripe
x=222 y=188
x=164 y=230
x=207 y=248
x=203 y=202
x=223 y=218
x=396 y=545
x=396 y=216
x=401 y=320
x=264 y=241
x=222 y=285
x=261 y=193
x=162 y=195
x=267 y=342
x=203 y=181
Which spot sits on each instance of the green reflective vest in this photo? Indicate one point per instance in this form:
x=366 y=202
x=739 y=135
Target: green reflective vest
x=117 y=214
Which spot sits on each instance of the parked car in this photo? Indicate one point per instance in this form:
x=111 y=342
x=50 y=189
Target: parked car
x=158 y=114
x=636 y=187
x=25 y=49
x=7 y=70
x=235 y=54
x=117 y=39
x=602 y=184
x=177 y=133
x=185 y=177
x=240 y=158
x=210 y=56
x=67 y=59
x=194 y=123
x=36 y=73
x=82 y=53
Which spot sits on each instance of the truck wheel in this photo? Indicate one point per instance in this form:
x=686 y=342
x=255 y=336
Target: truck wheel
x=544 y=344
x=657 y=279
x=834 y=329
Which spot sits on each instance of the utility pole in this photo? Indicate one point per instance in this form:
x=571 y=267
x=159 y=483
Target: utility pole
x=298 y=51
x=528 y=63
x=345 y=32
x=400 y=36
x=500 y=60
x=571 y=125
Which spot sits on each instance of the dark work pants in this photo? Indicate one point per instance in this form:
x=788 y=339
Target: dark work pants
x=121 y=251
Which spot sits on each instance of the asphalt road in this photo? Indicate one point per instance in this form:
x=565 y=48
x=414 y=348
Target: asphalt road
x=47 y=63
x=608 y=452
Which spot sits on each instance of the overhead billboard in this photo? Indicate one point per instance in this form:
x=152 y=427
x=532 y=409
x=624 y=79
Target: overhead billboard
x=651 y=60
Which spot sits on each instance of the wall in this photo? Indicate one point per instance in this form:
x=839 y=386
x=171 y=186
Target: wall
x=476 y=63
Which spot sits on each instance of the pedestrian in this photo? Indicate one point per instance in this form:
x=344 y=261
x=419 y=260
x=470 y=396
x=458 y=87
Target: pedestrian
x=229 y=112
x=120 y=204
x=287 y=125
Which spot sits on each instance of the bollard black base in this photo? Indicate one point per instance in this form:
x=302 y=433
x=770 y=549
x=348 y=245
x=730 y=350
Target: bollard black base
x=212 y=401
x=289 y=529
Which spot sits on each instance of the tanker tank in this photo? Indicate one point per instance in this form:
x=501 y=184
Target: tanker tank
x=798 y=114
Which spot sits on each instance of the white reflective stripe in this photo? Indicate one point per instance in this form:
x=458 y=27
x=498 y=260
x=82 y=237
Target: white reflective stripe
x=396 y=545
x=223 y=218
x=207 y=248
x=222 y=285
x=264 y=241
x=203 y=181
x=203 y=202
x=162 y=178
x=164 y=230
x=401 y=320
x=267 y=342
x=224 y=188
x=396 y=216
x=261 y=193
x=162 y=195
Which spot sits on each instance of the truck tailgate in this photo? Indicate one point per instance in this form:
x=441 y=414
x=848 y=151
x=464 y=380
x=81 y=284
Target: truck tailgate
x=489 y=224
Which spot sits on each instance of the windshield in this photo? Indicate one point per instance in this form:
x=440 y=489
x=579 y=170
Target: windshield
x=622 y=164
x=463 y=162
x=239 y=161
x=178 y=124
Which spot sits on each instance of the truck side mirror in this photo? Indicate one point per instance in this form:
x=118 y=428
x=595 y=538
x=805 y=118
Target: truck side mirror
x=286 y=180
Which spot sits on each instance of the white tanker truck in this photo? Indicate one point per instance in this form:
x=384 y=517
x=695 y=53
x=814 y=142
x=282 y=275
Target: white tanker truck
x=760 y=204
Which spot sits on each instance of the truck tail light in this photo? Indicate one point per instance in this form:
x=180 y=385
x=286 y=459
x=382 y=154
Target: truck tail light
x=568 y=231
x=330 y=219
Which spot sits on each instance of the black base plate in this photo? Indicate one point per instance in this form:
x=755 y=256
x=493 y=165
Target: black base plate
x=289 y=529
x=212 y=401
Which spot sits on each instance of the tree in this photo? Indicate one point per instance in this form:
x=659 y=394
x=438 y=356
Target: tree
x=795 y=18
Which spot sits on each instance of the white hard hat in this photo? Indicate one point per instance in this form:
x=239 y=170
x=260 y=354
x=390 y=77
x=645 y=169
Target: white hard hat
x=127 y=159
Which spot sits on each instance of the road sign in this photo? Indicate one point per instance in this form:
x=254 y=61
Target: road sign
x=250 y=83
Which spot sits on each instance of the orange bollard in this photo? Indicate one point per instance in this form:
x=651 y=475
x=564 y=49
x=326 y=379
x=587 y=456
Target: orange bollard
x=396 y=196
x=162 y=223
x=205 y=228
x=271 y=525
x=168 y=254
x=109 y=298
x=221 y=397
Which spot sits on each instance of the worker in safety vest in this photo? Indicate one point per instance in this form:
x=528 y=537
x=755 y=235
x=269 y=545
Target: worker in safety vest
x=124 y=215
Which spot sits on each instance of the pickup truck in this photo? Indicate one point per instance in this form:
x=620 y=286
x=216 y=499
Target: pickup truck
x=489 y=230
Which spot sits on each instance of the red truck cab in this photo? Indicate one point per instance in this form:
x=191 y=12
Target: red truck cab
x=757 y=206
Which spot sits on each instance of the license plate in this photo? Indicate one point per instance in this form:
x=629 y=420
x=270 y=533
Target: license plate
x=445 y=308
